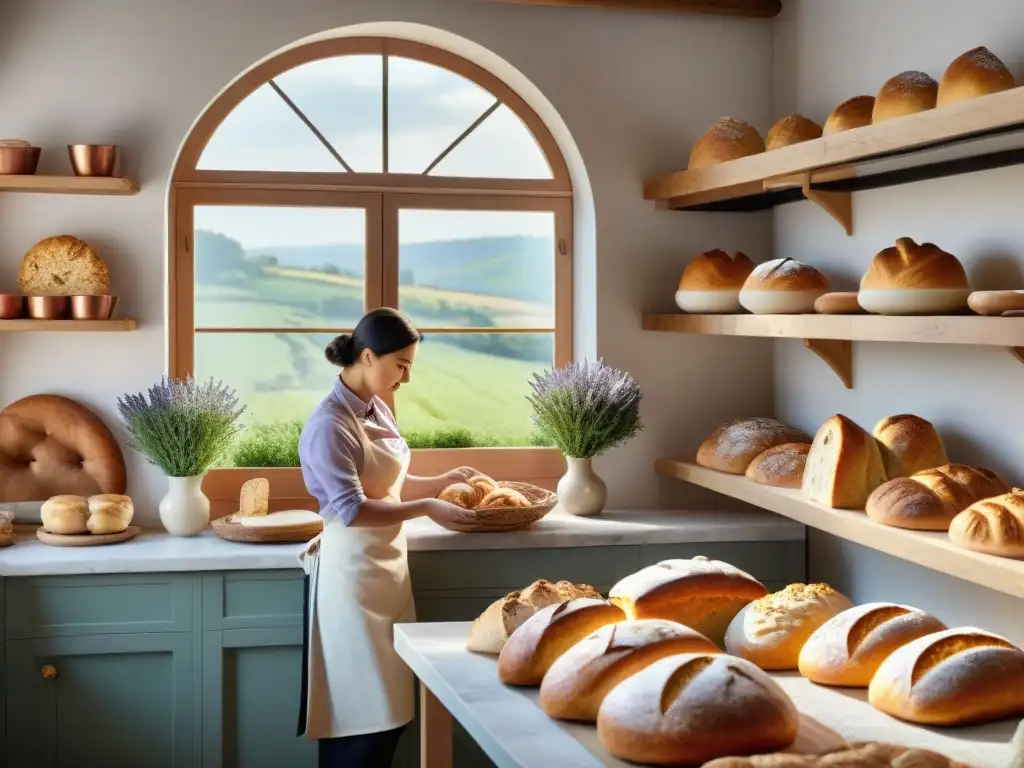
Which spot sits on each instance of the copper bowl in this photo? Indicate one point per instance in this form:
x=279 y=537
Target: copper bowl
x=12 y=306
x=92 y=307
x=47 y=307
x=19 y=161
x=93 y=159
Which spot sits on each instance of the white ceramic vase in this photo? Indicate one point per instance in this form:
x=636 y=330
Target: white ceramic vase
x=185 y=509
x=580 y=490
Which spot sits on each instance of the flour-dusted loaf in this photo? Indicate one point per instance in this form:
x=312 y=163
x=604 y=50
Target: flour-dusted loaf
x=978 y=72
x=576 y=684
x=783 y=286
x=703 y=594
x=495 y=625
x=728 y=138
x=843 y=466
x=909 y=444
x=994 y=526
x=733 y=445
x=65 y=514
x=954 y=677
x=781 y=466
x=532 y=649
x=63 y=265
x=691 y=708
x=870 y=754
x=852 y=113
x=848 y=649
x=711 y=282
x=771 y=630
x=792 y=129
x=929 y=500
x=905 y=94
x=912 y=279
x=109 y=513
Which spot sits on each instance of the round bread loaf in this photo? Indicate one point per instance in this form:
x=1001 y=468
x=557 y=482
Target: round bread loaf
x=905 y=94
x=65 y=514
x=783 y=286
x=914 y=279
x=711 y=282
x=792 y=129
x=728 y=138
x=691 y=708
x=852 y=113
x=781 y=466
x=931 y=499
x=994 y=526
x=978 y=72
x=109 y=513
x=955 y=677
x=63 y=265
x=770 y=631
x=909 y=444
x=848 y=649
x=580 y=678
x=733 y=445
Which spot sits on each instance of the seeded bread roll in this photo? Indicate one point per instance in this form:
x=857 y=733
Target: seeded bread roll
x=978 y=72
x=735 y=444
x=852 y=113
x=691 y=708
x=994 y=526
x=905 y=94
x=711 y=282
x=792 y=129
x=770 y=631
x=783 y=286
x=930 y=500
x=849 y=648
x=580 y=678
x=63 y=266
x=955 y=677
x=843 y=466
x=909 y=444
x=728 y=138
x=702 y=594
x=781 y=466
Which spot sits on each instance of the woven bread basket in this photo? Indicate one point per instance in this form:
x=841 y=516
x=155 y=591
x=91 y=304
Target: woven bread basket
x=501 y=519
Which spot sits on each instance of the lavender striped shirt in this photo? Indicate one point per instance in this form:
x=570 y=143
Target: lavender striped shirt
x=331 y=450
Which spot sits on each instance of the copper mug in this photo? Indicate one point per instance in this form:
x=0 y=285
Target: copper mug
x=93 y=159
x=12 y=305
x=92 y=307
x=47 y=307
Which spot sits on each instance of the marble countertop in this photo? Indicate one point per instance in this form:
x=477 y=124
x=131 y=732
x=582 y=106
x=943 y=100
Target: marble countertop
x=156 y=551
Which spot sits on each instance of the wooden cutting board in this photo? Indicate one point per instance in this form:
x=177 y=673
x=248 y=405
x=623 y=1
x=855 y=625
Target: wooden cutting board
x=86 y=539
x=275 y=528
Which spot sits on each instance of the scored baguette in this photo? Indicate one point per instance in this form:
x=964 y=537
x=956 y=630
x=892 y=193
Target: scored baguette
x=994 y=526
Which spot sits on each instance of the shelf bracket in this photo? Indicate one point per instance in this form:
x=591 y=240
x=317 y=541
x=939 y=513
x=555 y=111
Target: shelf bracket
x=1017 y=352
x=838 y=205
x=837 y=354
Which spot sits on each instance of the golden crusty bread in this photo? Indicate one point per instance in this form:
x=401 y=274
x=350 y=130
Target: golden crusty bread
x=471 y=493
x=781 y=466
x=909 y=444
x=849 y=648
x=978 y=72
x=63 y=265
x=843 y=466
x=792 y=129
x=929 y=500
x=994 y=526
x=786 y=274
x=771 y=630
x=716 y=270
x=501 y=498
x=909 y=265
x=852 y=113
x=872 y=754
x=733 y=445
x=955 y=677
x=728 y=138
x=905 y=94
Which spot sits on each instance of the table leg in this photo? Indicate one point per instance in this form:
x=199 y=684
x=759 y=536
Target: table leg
x=435 y=731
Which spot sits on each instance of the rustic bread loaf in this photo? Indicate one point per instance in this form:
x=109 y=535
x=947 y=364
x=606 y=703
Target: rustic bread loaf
x=843 y=466
x=978 y=72
x=728 y=138
x=852 y=113
x=929 y=500
x=908 y=264
x=909 y=444
x=783 y=286
x=994 y=526
x=711 y=282
x=905 y=94
x=63 y=266
x=781 y=466
x=733 y=445
x=254 y=497
x=872 y=754
x=792 y=129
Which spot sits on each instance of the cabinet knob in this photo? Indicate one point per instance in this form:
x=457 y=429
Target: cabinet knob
x=49 y=672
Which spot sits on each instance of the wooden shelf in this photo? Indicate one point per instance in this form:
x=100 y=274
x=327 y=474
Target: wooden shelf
x=931 y=550
x=757 y=9
x=69 y=185
x=66 y=326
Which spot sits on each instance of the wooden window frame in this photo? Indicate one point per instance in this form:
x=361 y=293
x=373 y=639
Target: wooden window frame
x=382 y=196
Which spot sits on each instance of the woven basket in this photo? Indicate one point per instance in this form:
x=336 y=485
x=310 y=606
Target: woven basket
x=509 y=518
x=228 y=529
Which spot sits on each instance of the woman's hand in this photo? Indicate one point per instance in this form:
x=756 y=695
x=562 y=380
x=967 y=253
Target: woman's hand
x=447 y=515
x=459 y=475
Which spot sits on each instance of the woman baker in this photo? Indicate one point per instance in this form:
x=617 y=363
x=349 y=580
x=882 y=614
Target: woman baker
x=357 y=694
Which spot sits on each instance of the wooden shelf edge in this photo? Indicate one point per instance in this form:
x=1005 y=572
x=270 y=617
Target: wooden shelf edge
x=755 y=9
x=928 y=549
x=69 y=326
x=69 y=185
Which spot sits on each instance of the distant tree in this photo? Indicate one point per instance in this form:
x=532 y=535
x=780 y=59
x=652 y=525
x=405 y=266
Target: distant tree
x=330 y=269
x=217 y=257
x=406 y=277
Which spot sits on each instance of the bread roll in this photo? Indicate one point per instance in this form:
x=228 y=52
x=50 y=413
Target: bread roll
x=63 y=266
x=699 y=593
x=482 y=484
x=727 y=139
x=461 y=495
x=781 y=466
x=501 y=498
x=735 y=444
x=694 y=707
x=844 y=465
x=929 y=500
x=994 y=526
x=909 y=444
x=978 y=72
x=905 y=94
x=549 y=633
x=580 y=678
x=65 y=514
x=783 y=286
x=792 y=129
x=109 y=513
x=955 y=677
x=872 y=754
x=848 y=649
x=852 y=113
x=770 y=631
x=711 y=282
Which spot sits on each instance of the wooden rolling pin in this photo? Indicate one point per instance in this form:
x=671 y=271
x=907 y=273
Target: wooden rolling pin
x=995 y=302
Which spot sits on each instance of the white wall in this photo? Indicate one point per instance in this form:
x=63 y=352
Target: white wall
x=633 y=90
x=825 y=52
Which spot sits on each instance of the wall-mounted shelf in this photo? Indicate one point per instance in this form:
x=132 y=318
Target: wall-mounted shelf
x=972 y=135
x=929 y=549
x=69 y=185
x=831 y=336
x=68 y=326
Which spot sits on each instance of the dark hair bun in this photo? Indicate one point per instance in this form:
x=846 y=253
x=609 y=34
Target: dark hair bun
x=340 y=351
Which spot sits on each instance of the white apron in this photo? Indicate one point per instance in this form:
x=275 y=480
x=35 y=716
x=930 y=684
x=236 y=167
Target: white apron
x=359 y=587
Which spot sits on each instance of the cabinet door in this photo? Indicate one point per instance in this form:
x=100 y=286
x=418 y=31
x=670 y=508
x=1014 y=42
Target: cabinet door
x=118 y=701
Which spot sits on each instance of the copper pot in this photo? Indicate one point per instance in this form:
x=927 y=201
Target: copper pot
x=47 y=307
x=19 y=161
x=12 y=306
x=92 y=307
x=93 y=159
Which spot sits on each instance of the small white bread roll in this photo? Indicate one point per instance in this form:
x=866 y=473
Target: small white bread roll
x=849 y=648
x=913 y=279
x=978 y=72
x=770 y=631
x=782 y=287
x=109 y=513
x=790 y=130
x=691 y=708
x=580 y=678
x=781 y=466
x=994 y=526
x=960 y=676
x=843 y=466
x=733 y=445
x=909 y=444
x=728 y=138
x=65 y=514
x=852 y=113
x=905 y=94
x=711 y=282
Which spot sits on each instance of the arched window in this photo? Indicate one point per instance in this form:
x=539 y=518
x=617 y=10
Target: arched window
x=354 y=173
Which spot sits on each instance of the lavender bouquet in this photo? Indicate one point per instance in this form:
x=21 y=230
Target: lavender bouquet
x=586 y=408
x=184 y=427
